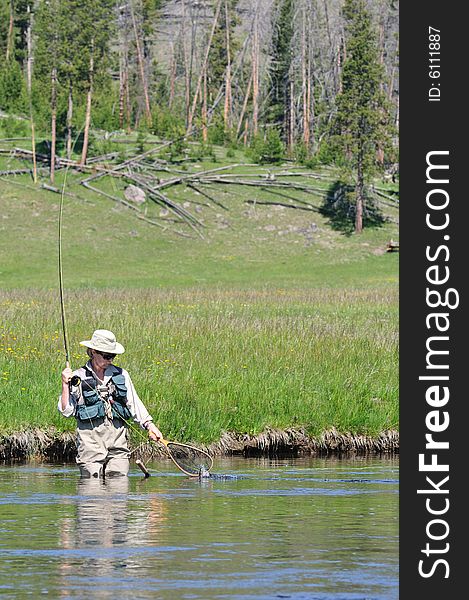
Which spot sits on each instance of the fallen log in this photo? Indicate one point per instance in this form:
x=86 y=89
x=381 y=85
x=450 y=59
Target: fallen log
x=278 y=203
x=307 y=204
x=202 y=193
x=17 y=172
x=264 y=183
x=387 y=196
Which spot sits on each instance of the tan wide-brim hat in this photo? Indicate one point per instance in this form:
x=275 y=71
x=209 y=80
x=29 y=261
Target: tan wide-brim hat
x=104 y=341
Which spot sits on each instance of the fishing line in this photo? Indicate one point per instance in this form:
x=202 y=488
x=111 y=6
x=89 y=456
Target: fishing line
x=60 y=261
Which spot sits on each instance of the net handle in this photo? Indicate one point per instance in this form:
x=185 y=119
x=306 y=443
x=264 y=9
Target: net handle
x=168 y=450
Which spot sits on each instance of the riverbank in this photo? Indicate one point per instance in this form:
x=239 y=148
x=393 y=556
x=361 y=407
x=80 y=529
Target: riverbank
x=54 y=445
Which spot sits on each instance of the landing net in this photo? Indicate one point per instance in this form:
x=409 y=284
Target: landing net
x=189 y=459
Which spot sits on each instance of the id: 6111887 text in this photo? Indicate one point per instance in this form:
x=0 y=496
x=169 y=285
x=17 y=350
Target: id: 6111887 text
x=434 y=71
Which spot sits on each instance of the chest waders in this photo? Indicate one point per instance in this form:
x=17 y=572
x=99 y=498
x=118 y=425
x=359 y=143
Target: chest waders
x=97 y=400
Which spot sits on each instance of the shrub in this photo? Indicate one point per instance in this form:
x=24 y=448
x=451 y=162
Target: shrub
x=267 y=148
x=13 y=96
x=13 y=127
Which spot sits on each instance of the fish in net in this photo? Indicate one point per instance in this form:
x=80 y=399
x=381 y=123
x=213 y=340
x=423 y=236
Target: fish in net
x=189 y=459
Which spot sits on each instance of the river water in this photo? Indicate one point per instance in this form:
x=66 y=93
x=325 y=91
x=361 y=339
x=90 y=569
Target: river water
x=305 y=529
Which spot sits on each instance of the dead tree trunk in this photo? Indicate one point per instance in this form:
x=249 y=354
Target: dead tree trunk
x=53 y=105
x=255 y=75
x=172 y=77
x=203 y=70
x=291 y=122
x=359 y=192
x=245 y=104
x=227 y=111
x=124 y=100
x=187 y=75
x=89 y=96
x=122 y=75
x=305 y=82
x=28 y=82
x=204 y=111
x=69 y=119
x=246 y=133
x=10 y=32
x=29 y=60
x=141 y=67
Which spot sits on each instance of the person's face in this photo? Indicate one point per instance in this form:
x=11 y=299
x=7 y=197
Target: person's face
x=101 y=360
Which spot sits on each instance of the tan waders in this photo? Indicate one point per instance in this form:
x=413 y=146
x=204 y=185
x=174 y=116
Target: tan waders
x=102 y=448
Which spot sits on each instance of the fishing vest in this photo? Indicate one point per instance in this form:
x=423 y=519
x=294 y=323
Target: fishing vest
x=95 y=399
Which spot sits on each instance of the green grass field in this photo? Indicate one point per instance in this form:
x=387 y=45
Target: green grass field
x=272 y=319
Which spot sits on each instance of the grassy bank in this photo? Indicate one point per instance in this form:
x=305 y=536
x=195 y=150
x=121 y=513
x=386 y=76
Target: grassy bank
x=274 y=318
x=209 y=362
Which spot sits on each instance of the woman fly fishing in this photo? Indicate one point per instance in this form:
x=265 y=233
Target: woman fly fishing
x=102 y=398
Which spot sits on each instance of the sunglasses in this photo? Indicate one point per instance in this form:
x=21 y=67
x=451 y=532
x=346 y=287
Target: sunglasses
x=105 y=355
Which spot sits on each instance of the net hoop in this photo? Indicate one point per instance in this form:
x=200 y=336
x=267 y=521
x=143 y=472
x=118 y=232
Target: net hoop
x=173 y=447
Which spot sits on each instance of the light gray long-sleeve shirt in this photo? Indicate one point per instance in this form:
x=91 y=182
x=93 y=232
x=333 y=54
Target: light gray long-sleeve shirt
x=137 y=409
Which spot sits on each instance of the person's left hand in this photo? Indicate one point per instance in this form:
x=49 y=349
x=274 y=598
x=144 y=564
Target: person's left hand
x=153 y=432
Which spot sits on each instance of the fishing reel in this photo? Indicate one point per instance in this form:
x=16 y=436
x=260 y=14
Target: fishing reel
x=75 y=381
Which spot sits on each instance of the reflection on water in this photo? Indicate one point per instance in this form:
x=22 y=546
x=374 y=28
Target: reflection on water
x=302 y=529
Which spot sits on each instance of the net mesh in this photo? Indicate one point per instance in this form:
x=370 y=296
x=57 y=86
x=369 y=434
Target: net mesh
x=190 y=459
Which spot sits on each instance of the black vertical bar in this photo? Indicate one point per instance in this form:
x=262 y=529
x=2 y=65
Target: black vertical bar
x=433 y=399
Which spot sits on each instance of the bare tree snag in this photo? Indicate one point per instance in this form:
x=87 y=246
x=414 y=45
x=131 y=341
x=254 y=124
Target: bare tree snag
x=28 y=83
x=255 y=75
x=10 y=32
x=245 y=104
x=141 y=67
x=69 y=119
x=53 y=105
x=187 y=71
x=203 y=69
x=89 y=95
x=246 y=133
x=305 y=83
x=121 y=93
x=204 y=111
x=172 y=77
x=291 y=124
x=227 y=110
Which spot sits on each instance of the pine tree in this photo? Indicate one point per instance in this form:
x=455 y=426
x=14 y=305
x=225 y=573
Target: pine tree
x=13 y=25
x=281 y=57
x=361 y=125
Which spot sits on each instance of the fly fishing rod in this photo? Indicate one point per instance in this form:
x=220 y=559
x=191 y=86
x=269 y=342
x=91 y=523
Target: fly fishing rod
x=75 y=380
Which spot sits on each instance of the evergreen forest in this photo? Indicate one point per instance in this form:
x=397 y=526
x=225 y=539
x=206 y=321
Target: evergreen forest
x=314 y=81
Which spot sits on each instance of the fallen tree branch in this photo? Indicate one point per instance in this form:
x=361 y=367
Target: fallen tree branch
x=387 y=196
x=124 y=202
x=277 y=193
x=169 y=204
x=278 y=203
x=202 y=193
x=265 y=183
x=17 y=172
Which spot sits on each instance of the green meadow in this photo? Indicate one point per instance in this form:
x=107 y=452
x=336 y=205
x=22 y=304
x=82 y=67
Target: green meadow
x=267 y=316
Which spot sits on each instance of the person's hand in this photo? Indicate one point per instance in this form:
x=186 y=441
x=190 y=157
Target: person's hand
x=153 y=432
x=67 y=374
